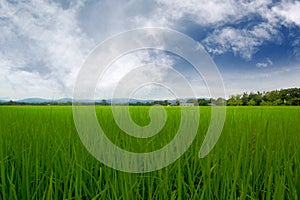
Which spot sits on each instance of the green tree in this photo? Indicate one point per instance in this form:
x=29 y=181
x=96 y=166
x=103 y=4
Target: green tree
x=295 y=101
x=194 y=101
x=235 y=100
x=165 y=103
x=277 y=102
x=272 y=96
x=257 y=97
x=251 y=103
x=231 y=101
x=104 y=102
x=264 y=103
x=239 y=101
x=245 y=98
x=202 y=102
x=220 y=102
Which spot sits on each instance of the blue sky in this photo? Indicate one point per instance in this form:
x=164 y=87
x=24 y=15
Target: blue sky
x=255 y=44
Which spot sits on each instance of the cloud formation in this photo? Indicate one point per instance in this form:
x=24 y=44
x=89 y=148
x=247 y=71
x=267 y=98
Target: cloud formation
x=266 y=63
x=44 y=43
x=289 y=11
x=239 y=26
x=41 y=45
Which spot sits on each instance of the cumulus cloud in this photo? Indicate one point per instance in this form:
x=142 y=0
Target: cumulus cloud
x=154 y=67
x=238 y=41
x=264 y=64
x=228 y=21
x=289 y=11
x=243 y=42
x=169 y=12
x=41 y=44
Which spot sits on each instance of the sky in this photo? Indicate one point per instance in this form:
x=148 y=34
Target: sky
x=43 y=44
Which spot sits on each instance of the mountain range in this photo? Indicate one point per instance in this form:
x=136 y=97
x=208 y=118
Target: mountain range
x=109 y=101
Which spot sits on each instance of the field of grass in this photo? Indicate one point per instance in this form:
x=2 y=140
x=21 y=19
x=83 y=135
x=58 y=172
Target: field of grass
x=256 y=157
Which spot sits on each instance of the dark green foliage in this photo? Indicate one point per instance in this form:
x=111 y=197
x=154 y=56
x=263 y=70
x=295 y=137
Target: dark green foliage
x=295 y=101
x=272 y=98
x=203 y=102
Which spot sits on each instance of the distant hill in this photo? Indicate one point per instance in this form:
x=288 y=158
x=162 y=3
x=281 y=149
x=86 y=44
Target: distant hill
x=109 y=101
x=125 y=100
x=64 y=100
x=288 y=97
x=34 y=100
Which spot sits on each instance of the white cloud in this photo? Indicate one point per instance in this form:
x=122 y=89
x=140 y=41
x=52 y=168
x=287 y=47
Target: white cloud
x=264 y=64
x=129 y=62
x=42 y=45
x=237 y=41
x=105 y=18
x=142 y=67
x=224 y=16
x=242 y=42
x=203 y=12
x=289 y=10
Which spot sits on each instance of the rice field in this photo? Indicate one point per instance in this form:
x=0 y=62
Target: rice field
x=256 y=157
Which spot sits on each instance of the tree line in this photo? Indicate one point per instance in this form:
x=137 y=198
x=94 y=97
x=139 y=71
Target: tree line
x=287 y=97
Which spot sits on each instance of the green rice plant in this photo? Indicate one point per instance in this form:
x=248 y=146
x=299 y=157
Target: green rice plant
x=256 y=157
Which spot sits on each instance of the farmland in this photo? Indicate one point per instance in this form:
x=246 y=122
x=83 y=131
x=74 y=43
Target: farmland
x=256 y=157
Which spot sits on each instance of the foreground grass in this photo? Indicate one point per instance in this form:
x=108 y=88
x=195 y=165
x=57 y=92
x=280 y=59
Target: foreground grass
x=257 y=157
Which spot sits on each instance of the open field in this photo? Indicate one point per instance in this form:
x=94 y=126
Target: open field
x=256 y=157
